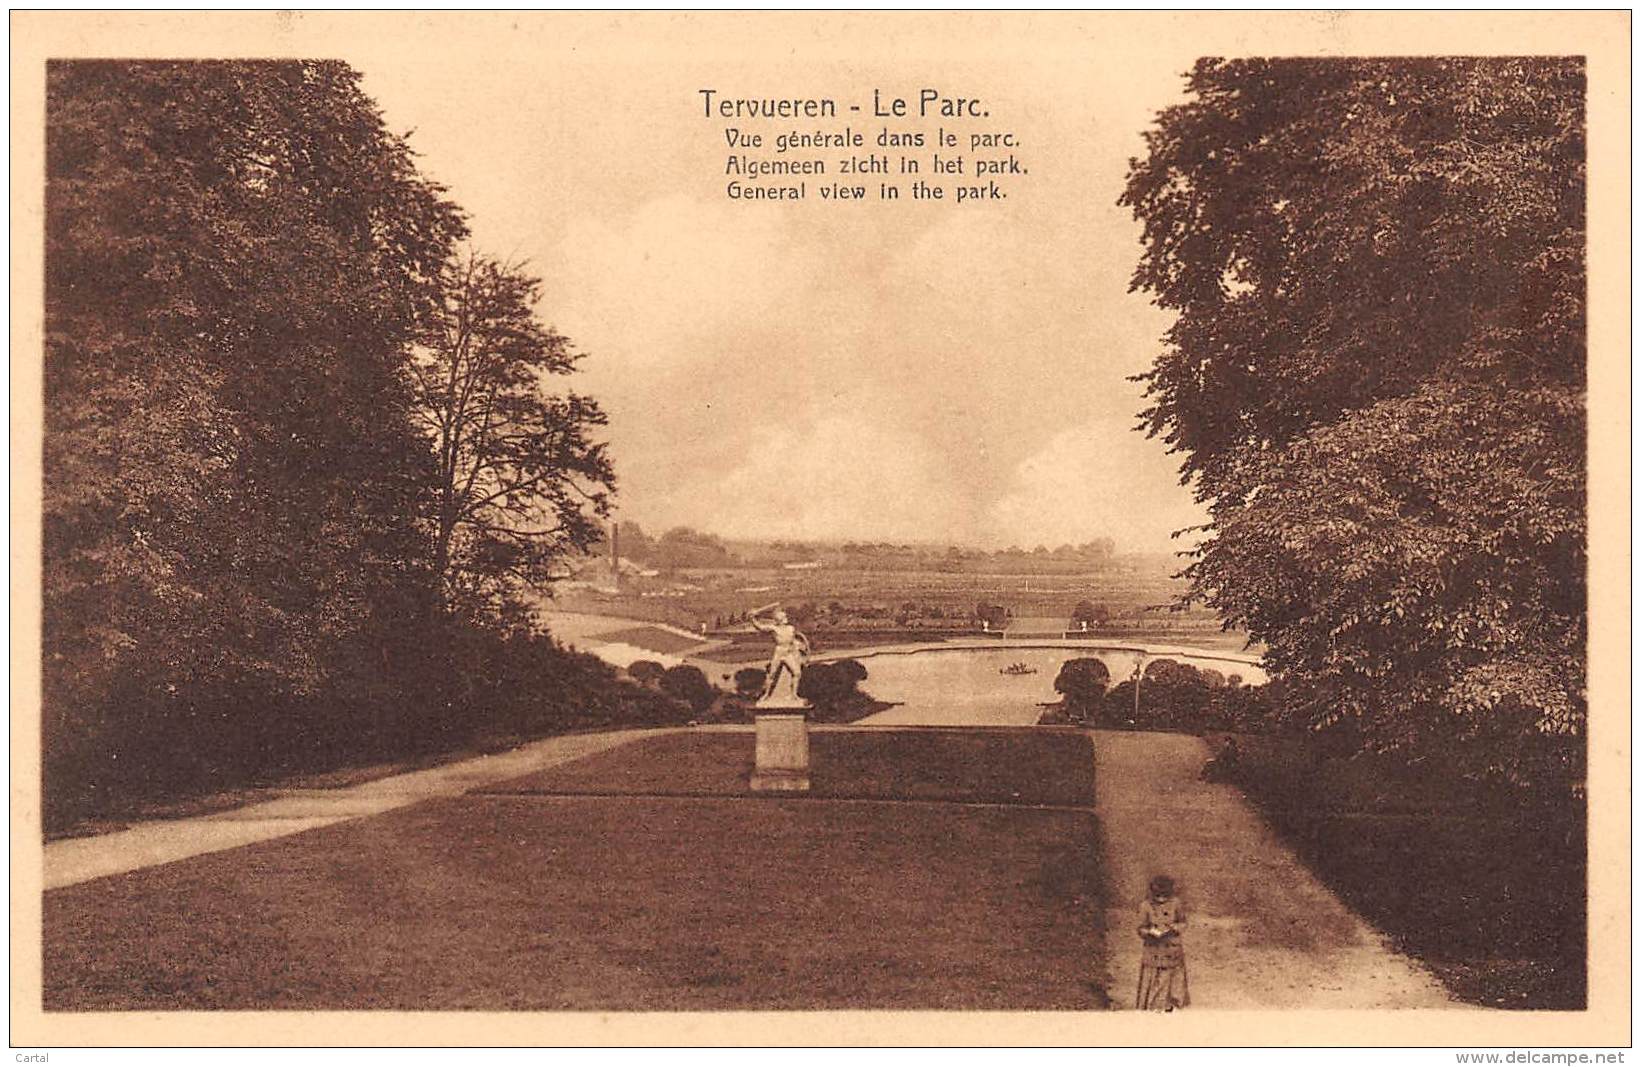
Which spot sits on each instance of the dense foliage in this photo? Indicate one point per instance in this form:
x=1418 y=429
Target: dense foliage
x=833 y=685
x=749 y=682
x=689 y=685
x=1174 y=696
x=1375 y=378
x=1082 y=682
x=646 y=672
x=240 y=508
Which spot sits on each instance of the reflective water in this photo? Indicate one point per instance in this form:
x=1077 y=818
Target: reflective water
x=967 y=687
x=963 y=688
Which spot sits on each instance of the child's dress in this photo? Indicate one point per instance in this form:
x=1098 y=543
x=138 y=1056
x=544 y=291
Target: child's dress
x=1163 y=984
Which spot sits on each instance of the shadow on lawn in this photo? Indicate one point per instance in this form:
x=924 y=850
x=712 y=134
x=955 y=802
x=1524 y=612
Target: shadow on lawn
x=1485 y=885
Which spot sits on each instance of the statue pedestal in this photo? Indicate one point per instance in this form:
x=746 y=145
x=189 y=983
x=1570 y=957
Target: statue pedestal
x=781 y=755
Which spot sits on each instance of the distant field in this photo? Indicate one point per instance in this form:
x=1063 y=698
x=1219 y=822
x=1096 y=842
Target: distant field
x=1136 y=596
x=743 y=648
x=754 y=647
x=653 y=638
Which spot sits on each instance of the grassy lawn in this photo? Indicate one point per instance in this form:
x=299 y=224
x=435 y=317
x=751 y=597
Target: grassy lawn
x=710 y=901
x=963 y=765
x=653 y=638
x=1486 y=889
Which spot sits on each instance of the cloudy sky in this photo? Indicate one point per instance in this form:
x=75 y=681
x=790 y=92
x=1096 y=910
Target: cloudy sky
x=906 y=371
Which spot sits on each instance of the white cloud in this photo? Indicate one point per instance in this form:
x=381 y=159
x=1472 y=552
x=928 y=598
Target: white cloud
x=766 y=378
x=666 y=281
x=1099 y=479
x=839 y=475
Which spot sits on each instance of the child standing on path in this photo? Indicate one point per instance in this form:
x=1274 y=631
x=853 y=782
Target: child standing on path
x=1163 y=985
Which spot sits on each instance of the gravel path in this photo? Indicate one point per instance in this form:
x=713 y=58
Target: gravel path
x=147 y=844
x=1263 y=932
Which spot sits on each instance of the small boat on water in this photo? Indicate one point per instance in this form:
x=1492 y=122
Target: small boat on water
x=1017 y=668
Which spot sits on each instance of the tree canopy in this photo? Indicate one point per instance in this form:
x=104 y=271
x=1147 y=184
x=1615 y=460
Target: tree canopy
x=1082 y=681
x=1375 y=381
x=237 y=255
x=239 y=566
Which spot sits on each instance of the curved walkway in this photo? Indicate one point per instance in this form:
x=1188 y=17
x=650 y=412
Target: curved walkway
x=1262 y=931
x=146 y=844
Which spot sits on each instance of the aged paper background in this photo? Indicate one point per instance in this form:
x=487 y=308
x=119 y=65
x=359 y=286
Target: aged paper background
x=643 y=49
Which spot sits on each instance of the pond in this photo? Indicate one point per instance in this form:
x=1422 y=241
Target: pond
x=967 y=686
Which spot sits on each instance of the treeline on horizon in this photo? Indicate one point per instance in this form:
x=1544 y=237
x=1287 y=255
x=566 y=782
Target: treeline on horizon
x=686 y=548
x=305 y=452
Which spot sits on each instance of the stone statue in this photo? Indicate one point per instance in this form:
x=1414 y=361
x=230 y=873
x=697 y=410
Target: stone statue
x=786 y=665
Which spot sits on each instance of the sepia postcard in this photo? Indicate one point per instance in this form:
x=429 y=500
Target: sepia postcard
x=704 y=528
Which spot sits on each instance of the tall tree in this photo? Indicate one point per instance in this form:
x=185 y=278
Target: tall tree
x=519 y=481
x=1375 y=379
x=238 y=255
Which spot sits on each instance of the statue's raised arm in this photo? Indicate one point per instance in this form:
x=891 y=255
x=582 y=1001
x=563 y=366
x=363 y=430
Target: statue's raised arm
x=755 y=618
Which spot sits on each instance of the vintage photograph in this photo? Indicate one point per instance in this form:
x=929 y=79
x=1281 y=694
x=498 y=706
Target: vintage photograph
x=692 y=513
